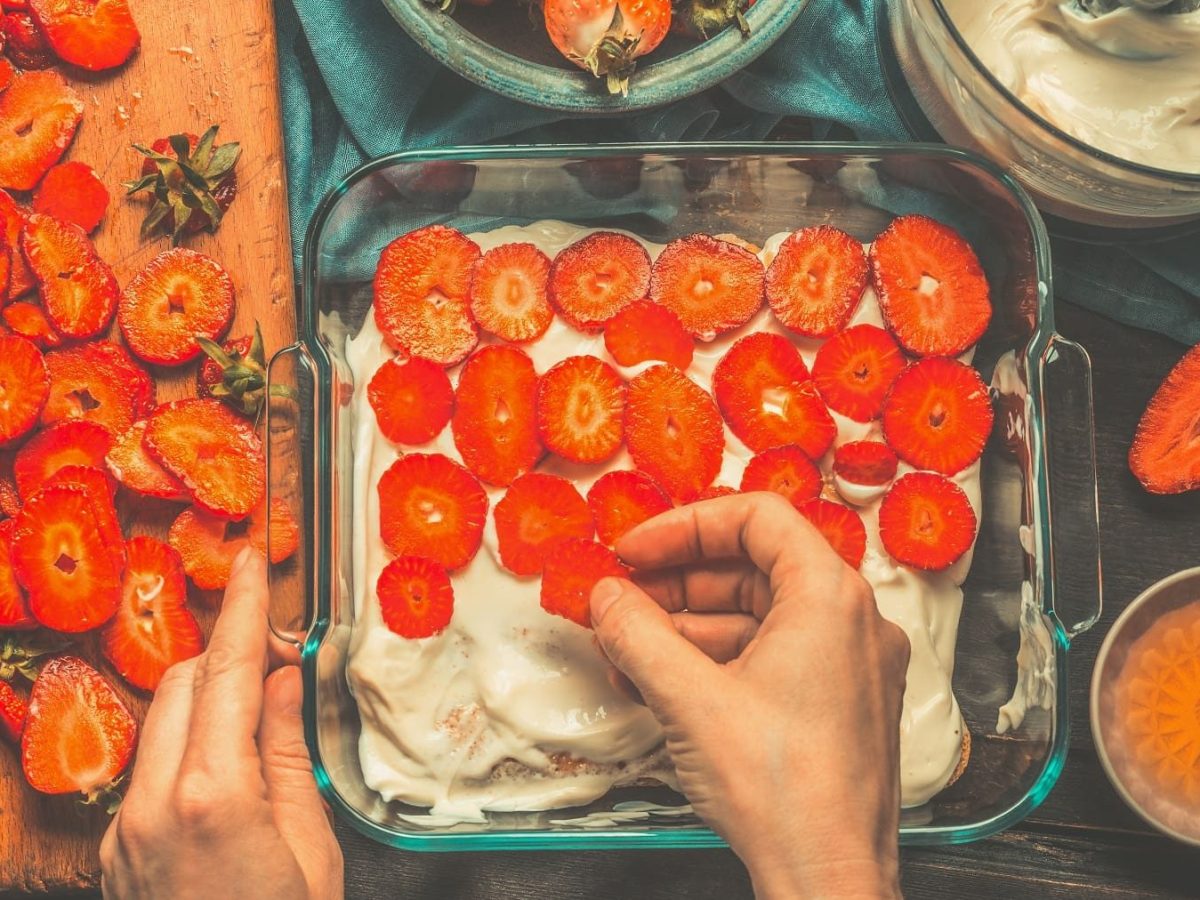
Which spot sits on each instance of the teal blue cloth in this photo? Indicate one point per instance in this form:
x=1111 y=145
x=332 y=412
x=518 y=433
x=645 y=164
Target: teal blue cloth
x=355 y=86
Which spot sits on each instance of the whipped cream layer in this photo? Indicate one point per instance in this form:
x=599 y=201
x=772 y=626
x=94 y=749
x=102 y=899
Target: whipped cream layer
x=510 y=708
x=1126 y=82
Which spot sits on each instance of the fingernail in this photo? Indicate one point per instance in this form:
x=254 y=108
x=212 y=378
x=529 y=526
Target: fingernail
x=604 y=594
x=240 y=561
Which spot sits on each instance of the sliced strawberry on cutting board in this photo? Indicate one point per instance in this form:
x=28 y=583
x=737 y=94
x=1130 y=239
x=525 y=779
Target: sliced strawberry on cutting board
x=208 y=544
x=854 y=369
x=29 y=321
x=580 y=409
x=213 y=451
x=130 y=463
x=14 y=709
x=596 y=277
x=97 y=382
x=79 y=736
x=416 y=598
x=816 y=280
x=24 y=42
x=495 y=414
x=673 y=431
x=412 y=399
x=1165 y=454
x=14 y=607
x=75 y=443
x=180 y=295
x=713 y=286
x=865 y=462
x=12 y=223
x=646 y=332
x=24 y=387
x=786 y=471
x=938 y=415
x=153 y=628
x=102 y=495
x=38 y=116
x=72 y=192
x=620 y=501
x=537 y=513
x=841 y=526
x=431 y=506
x=422 y=294
x=926 y=521
x=92 y=34
x=5 y=268
x=77 y=288
x=509 y=294
x=932 y=291
x=571 y=571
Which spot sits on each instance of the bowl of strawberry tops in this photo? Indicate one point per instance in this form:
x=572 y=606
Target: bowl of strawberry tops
x=595 y=55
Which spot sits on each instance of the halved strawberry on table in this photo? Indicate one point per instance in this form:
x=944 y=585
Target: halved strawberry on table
x=854 y=369
x=92 y=34
x=926 y=521
x=28 y=320
x=39 y=114
x=787 y=471
x=24 y=42
x=596 y=277
x=131 y=464
x=412 y=399
x=97 y=382
x=571 y=571
x=537 y=512
x=643 y=332
x=938 y=415
x=621 y=500
x=816 y=280
x=189 y=175
x=74 y=443
x=14 y=710
x=208 y=544
x=72 y=192
x=580 y=409
x=416 y=598
x=431 y=506
x=14 y=607
x=1165 y=453
x=495 y=414
x=508 y=292
x=841 y=526
x=713 y=286
x=24 y=387
x=77 y=288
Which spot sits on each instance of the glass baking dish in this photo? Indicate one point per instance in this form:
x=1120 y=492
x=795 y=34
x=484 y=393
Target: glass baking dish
x=1035 y=582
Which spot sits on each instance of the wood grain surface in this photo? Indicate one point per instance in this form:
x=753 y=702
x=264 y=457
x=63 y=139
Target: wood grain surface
x=201 y=62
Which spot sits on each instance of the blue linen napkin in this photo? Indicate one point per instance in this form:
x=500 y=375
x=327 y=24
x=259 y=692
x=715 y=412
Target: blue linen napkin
x=355 y=86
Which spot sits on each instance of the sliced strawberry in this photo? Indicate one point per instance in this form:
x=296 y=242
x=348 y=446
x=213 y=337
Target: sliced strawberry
x=415 y=597
x=620 y=501
x=932 y=291
x=92 y=34
x=938 y=415
x=764 y=391
x=865 y=462
x=6 y=255
x=78 y=289
x=284 y=536
x=509 y=292
x=816 y=279
x=27 y=320
x=713 y=286
x=715 y=491
x=431 y=506
x=10 y=497
x=12 y=223
x=24 y=42
x=596 y=277
x=102 y=494
x=926 y=521
x=422 y=288
x=153 y=628
x=854 y=369
x=786 y=471
x=72 y=192
x=571 y=571
x=180 y=295
x=38 y=116
x=14 y=608
x=209 y=544
x=673 y=431
x=1165 y=454
x=7 y=73
x=412 y=400
x=130 y=464
x=64 y=444
x=495 y=414
x=214 y=452
x=538 y=512
x=79 y=736
x=14 y=709
x=24 y=387
x=644 y=332
x=61 y=557
x=580 y=405
x=841 y=526
x=97 y=382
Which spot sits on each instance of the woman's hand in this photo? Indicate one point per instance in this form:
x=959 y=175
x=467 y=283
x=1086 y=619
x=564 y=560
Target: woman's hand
x=222 y=801
x=778 y=684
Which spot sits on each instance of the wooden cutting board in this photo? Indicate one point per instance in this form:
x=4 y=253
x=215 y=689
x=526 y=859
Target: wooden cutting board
x=201 y=62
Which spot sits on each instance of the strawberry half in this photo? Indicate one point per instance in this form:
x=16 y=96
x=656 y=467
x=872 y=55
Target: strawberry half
x=509 y=292
x=765 y=393
x=431 y=506
x=132 y=466
x=24 y=42
x=1165 y=454
x=571 y=571
x=78 y=289
x=620 y=501
x=938 y=415
x=79 y=736
x=14 y=709
x=416 y=598
x=816 y=279
x=673 y=431
x=643 y=332
x=412 y=400
x=214 y=452
x=72 y=192
x=495 y=414
x=180 y=295
x=153 y=628
x=97 y=382
x=27 y=320
x=865 y=462
x=932 y=291
x=596 y=277
x=24 y=387
x=713 y=286
x=65 y=444
x=538 y=512
x=12 y=223
x=422 y=288
x=854 y=369
x=786 y=471
x=580 y=404
x=14 y=608
x=208 y=544
x=841 y=526
x=92 y=34
x=926 y=521
x=38 y=116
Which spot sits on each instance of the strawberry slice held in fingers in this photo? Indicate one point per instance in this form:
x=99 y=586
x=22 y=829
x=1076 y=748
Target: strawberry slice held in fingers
x=938 y=415
x=1165 y=453
x=571 y=571
x=538 y=512
x=595 y=278
x=92 y=34
x=841 y=526
x=495 y=414
x=926 y=521
x=580 y=409
x=208 y=544
x=431 y=506
x=282 y=540
x=24 y=387
x=643 y=332
x=715 y=491
x=620 y=501
x=412 y=400
x=24 y=42
x=97 y=382
x=816 y=280
x=509 y=292
x=416 y=597
x=854 y=369
x=72 y=192
x=78 y=290
x=130 y=464
x=75 y=443
x=713 y=286
x=15 y=614
x=869 y=463
x=39 y=114
x=14 y=709
x=786 y=471
x=29 y=321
